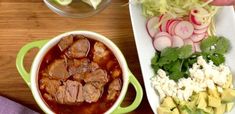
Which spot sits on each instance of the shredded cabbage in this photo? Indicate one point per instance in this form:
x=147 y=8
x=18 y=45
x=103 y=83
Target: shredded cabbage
x=179 y=9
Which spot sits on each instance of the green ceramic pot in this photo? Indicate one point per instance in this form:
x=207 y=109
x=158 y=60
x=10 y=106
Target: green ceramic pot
x=45 y=45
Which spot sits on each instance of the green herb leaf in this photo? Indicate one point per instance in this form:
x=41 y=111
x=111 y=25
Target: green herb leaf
x=214 y=44
x=207 y=43
x=222 y=45
x=155 y=59
x=154 y=62
x=168 y=55
x=185 y=51
x=176 y=75
x=217 y=59
x=163 y=61
x=167 y=67
x=175 y=66
x=155 y=68
x=171 y=53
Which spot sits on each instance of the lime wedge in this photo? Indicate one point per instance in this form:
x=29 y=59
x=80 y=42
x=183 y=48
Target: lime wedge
x=63 y=2
x=93 y=3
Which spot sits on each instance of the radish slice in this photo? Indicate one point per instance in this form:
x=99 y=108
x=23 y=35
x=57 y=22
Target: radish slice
x=161 y=43
x=202 y=26
x=198 y=37
x=200 y=31
x=172 y=27
x=189 y=42
x=200 y=10
x=197 y=47
x=177 y=41
x=160 y=19
x=163 y=26
x=193 y=19
x=168 y=24
x=160 y=34
x=184 y=29
x=150 y=26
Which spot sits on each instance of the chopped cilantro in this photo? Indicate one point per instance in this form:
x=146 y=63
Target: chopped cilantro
x=214 y=44
x=185 y=51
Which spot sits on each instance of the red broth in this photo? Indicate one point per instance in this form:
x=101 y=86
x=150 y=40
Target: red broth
x=99 y=106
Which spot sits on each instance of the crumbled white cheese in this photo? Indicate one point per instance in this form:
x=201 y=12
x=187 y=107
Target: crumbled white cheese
x=203 y=75
x=208 y=71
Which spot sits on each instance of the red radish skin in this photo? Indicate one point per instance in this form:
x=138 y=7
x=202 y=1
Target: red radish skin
x=160 y=19
x=160 y=34
x=161 y=43
x=193 y=20
x=197 y=47
x=172 y=23
x=150 y=26
x=177 y=41
x=163 y=26
x=197 y=37
x=200 y=31
x=172 y=27
x=189 y=42
x=168 y=24
x=184 y=29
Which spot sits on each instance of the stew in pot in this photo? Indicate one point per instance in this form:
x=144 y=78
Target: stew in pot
x=80 y=75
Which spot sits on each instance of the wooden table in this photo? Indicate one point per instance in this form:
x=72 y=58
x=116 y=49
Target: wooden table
x=24 y=21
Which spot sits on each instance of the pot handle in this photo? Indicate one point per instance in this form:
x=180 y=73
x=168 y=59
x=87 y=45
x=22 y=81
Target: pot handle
x=138 y=97
x=20 y=58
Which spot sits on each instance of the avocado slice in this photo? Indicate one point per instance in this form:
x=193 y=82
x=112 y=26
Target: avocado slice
x=167 y=110
x=194 y=97
x=184 y=110
x=209 y=110
x=213 y=92
x=201 y=102
x=175 y=111
x=188 y=107
x=229 y=106
x=229 y=81
x=199 y=111
x=163 y=110
x=191 y=105
x=213 y=101
x=182 y=103
x=228 y=95
x=220 y=109
x=176 y=100
x=168 y=106
x=168 y=102
x=182 y=107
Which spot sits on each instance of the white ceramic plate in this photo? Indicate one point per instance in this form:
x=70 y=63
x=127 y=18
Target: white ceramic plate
x=225 y=25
